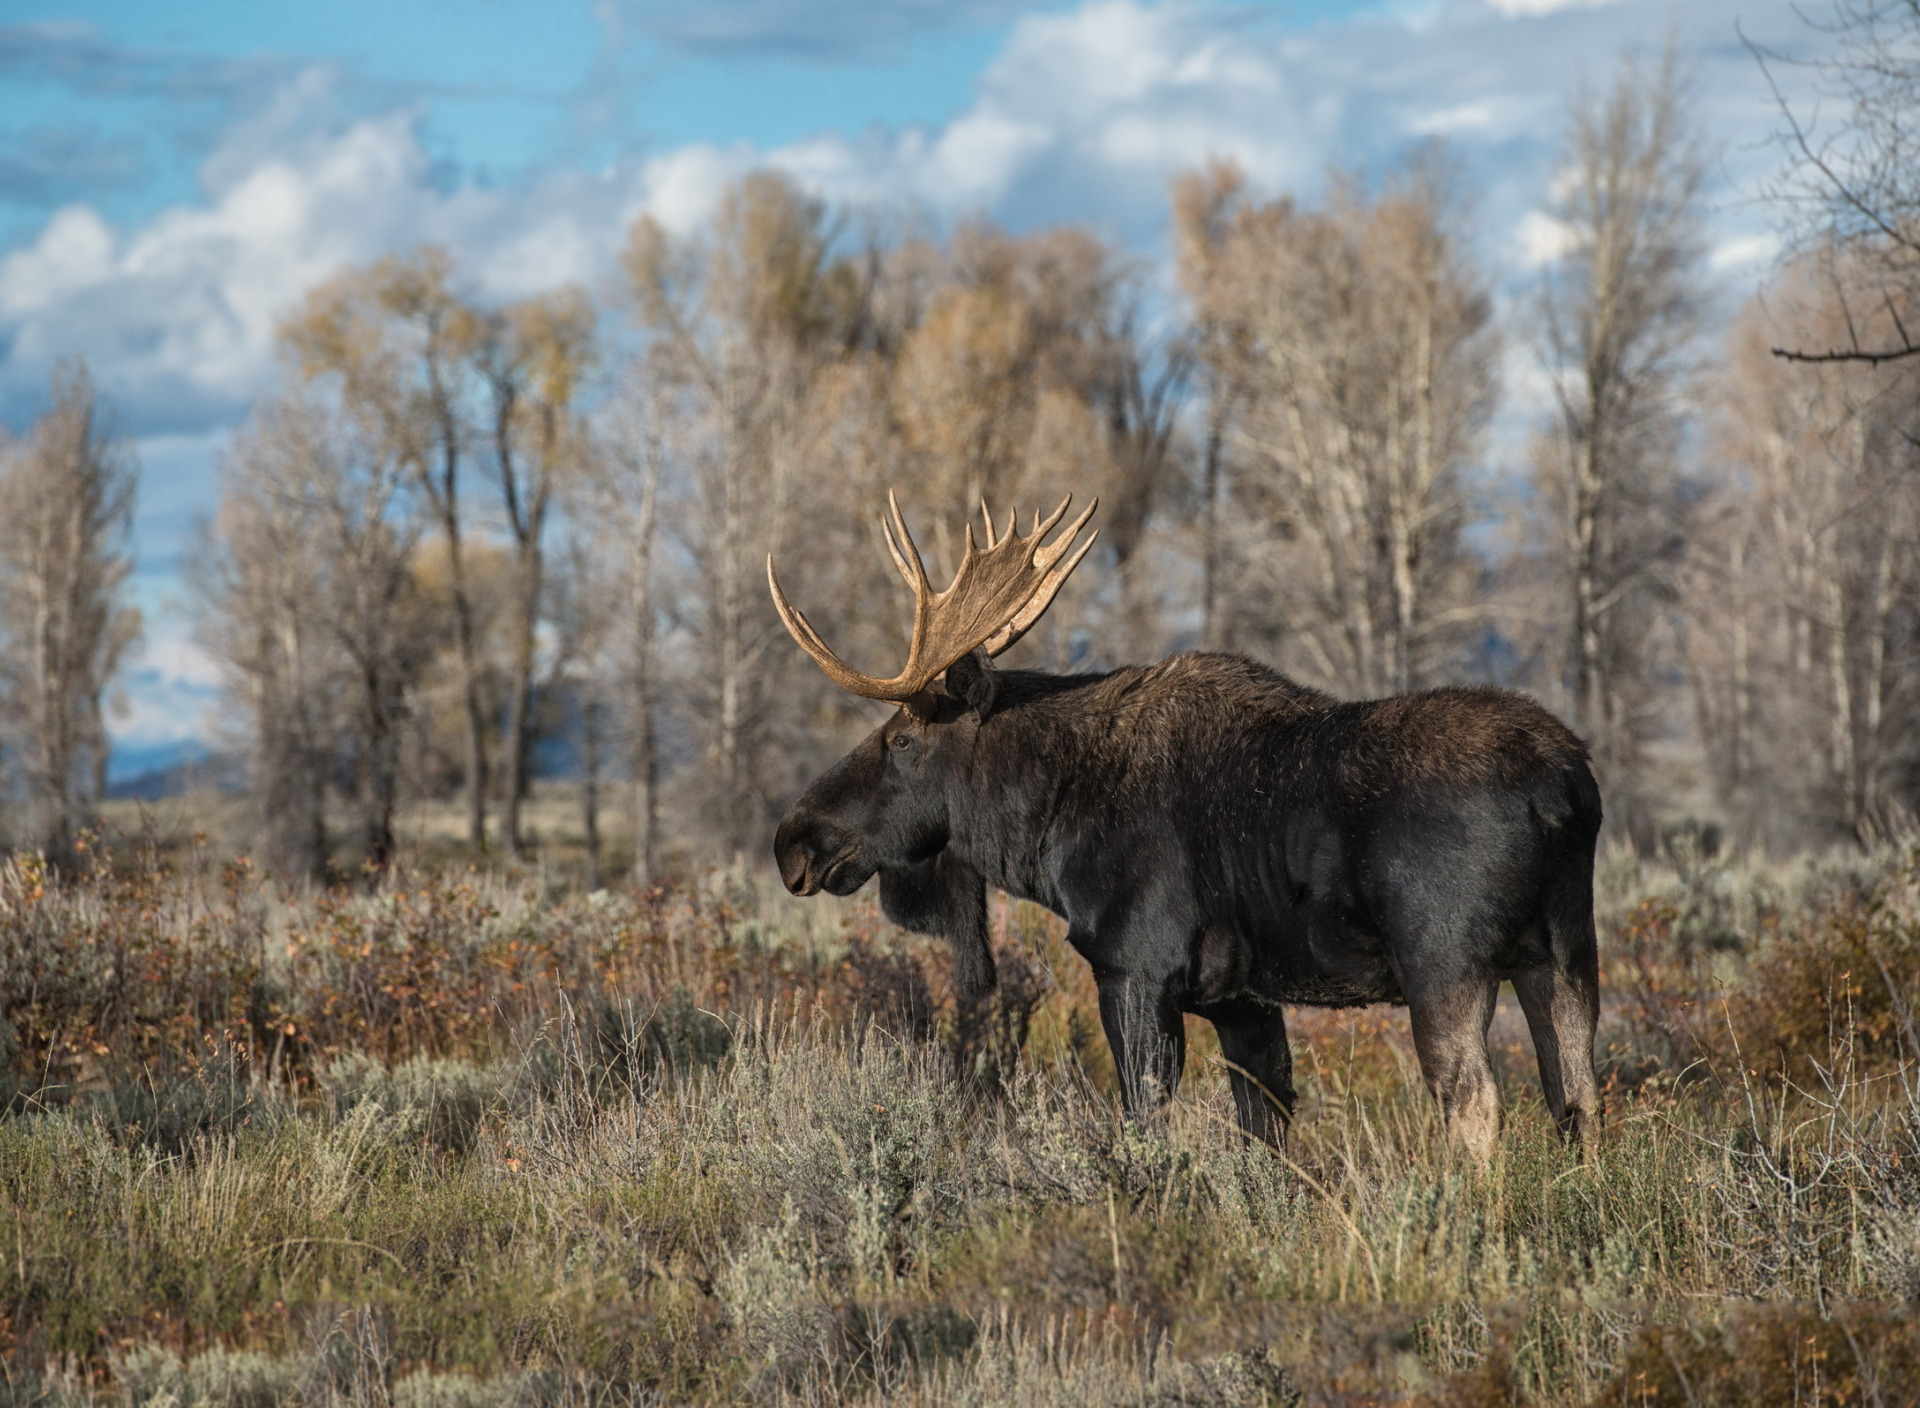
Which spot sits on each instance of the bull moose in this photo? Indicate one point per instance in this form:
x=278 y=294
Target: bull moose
x=1220 y=840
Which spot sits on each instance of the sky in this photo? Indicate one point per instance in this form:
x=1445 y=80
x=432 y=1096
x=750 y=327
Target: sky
x=173 y=177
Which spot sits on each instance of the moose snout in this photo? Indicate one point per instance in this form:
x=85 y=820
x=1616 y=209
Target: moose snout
x=799 y=850
x=793 y=859
x=815 y=856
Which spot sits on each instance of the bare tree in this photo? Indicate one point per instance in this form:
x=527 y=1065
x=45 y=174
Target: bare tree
x=1350 y=355
x=1851 y=184
x=381 y=623
x=1027 y=377
x=616 y=523
x=1619 y=311
x=400 y=344
x=1806 y=585
x=1140 y=392
x=740 y=330
x=1205 y=203
x=309 y=597
x=587 y=612
x=260 y=616
x=66 y=508
x=533 y=356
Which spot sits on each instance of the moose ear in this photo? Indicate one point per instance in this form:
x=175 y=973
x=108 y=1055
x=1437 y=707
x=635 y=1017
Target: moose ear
x=971 y=680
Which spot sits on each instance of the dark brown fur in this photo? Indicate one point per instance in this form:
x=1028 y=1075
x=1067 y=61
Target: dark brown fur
x=1222 y=840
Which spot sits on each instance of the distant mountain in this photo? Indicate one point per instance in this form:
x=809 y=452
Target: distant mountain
x=157 y=771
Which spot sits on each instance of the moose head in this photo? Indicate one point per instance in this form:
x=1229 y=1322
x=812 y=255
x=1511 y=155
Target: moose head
x=885 y=805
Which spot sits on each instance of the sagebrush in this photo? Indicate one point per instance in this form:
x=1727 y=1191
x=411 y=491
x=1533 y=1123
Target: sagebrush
x=463 y=1139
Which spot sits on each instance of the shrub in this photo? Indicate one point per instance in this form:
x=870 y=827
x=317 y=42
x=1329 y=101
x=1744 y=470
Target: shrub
x=424 y=1101
x=121 y=970
x=1846 y=987
x=469 y=1144
x=1763 y=1356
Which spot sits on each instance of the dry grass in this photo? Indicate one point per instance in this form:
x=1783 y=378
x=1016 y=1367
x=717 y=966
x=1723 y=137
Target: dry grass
x=468 y=1140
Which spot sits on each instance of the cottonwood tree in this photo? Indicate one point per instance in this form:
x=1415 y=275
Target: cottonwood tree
x=397 y=343
x=1618 y=313
x=740 y=328
x=1805 y=589
x=1204 y=205
x=1009 y=342
x=66 y=509
x=260 y=616
x=1026 y=378
x=534 y=357
x=309 y=598
x=1138 y=390
x=1350 y=355
x=581 y=608
x=383 y=626
x=588 y=613
x=616 y=521
x=1850 y=188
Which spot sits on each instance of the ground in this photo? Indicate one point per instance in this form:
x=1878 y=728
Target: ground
x=470 y=1137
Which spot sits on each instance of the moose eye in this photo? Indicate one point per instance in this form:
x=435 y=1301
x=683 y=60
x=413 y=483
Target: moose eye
x=901 y=742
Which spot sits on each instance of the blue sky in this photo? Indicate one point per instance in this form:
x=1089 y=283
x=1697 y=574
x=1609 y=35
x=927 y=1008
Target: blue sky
x=173 y=176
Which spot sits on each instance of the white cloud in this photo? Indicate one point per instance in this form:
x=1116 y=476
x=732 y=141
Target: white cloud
x=1464 y=117
x=1082 y=115
x=171 y=687
x=1541 y=239
x=683 y=186
x=1543 y=7
x=1742 y=251
x=75 y=250
x=977 y=158
x=177 y=317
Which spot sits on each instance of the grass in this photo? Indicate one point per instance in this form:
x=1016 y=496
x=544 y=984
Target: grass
x=469 y=1140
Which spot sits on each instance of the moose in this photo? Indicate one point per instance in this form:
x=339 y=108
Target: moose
x=1220 y=840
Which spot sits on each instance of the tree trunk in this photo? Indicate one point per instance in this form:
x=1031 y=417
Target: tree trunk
x=380 y=772
x=1840 y=707
x=50 y=686
x=520 y=701
x=304 y=838
x=590 y=781
x=1587 y=679
x=731 y=659
x=1742 y=669
x=526 y=517
x=470 y=685
x=646 y=766
x=446 y=497
x=1210 y=624
x=1411 y=480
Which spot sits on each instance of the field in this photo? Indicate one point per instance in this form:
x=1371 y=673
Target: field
x=474 y=1139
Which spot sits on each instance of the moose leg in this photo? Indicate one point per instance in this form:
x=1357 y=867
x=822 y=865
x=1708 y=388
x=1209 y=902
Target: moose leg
x=1562 y=1010
x=1253 y=1039
x=1146 y=1036
x=1450 y=1036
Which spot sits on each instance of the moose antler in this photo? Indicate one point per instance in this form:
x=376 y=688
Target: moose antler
x=996 y=596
